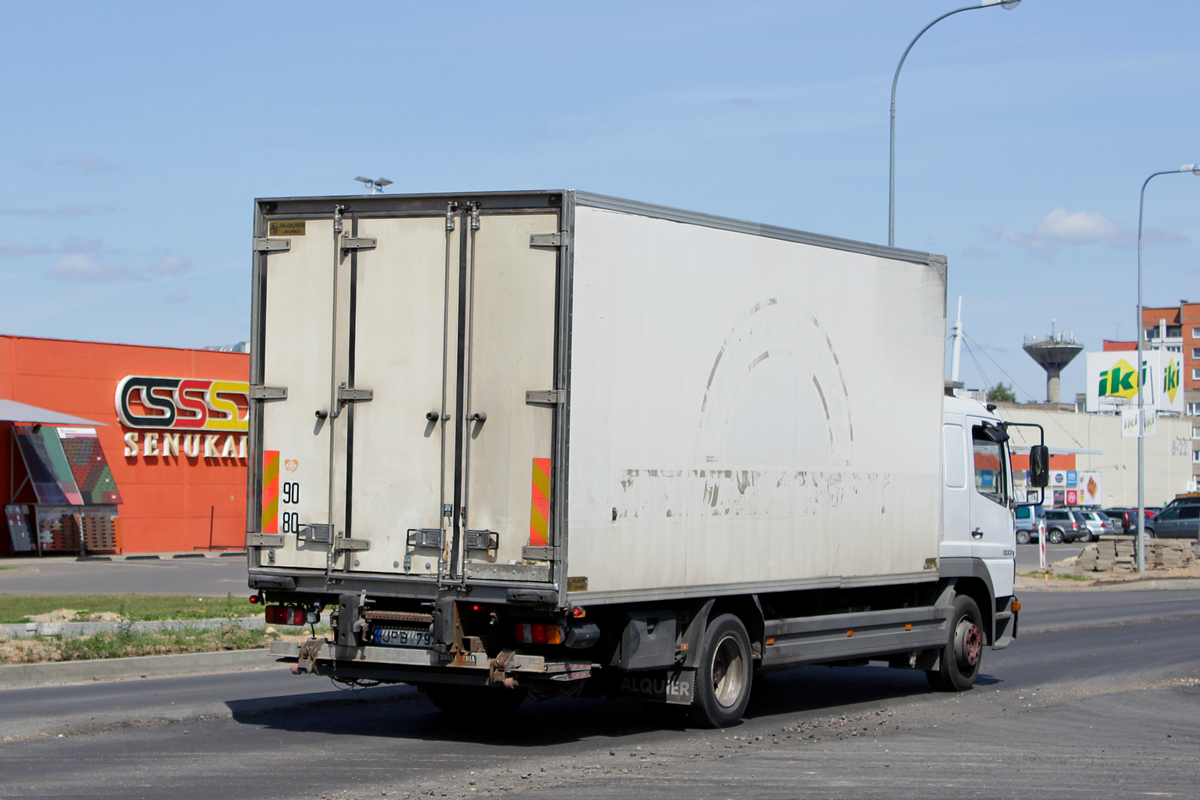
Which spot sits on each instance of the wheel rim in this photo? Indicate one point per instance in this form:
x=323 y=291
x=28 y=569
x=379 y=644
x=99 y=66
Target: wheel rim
x=728 y=672
x=968 y=643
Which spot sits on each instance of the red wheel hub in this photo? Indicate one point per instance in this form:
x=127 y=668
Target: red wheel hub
x=968 y=643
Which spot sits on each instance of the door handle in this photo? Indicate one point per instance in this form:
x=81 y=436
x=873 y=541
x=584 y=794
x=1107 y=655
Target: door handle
x=977 y=533
x=478 y=416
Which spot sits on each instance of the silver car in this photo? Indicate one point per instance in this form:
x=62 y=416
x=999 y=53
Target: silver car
x=1097 y=524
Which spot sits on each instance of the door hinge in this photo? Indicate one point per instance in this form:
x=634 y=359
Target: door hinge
x=532 y=552
x=264 y=245
x=361 y=243
x=545 y=397
x=350 y=395
x=316 y=532
x=268 y=393
x=342 y=543
x=264 y=540
x=548 y=239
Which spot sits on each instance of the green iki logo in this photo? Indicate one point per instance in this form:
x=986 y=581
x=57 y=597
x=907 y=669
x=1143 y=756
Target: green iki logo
x=1119 y=381
x=1171 y=380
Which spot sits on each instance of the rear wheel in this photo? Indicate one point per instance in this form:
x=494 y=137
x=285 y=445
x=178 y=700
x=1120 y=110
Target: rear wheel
x=724 y=677
x=963 y=652
x=1022 y=537
x=1054 y=536
x=486 y=700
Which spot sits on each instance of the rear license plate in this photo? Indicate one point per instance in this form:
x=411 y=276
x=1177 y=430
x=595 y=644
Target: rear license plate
x=394 y=637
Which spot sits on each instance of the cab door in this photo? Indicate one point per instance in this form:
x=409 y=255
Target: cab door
x=991 y=529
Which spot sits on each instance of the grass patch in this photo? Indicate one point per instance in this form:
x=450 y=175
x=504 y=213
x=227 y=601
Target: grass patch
x=135 y=607
x=1060 y=576
x=126 y=643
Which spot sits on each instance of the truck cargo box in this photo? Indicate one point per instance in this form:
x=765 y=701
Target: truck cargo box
x=567 y=398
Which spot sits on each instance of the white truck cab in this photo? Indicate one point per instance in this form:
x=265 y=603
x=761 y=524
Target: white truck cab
x=978 y=534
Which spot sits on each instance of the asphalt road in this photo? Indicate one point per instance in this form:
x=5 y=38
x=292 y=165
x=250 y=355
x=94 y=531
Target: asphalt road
x=1098 y=698
x=1028 y=558
x=211 y=575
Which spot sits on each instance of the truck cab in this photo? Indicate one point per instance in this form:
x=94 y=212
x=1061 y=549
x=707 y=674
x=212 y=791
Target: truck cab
x=978 y=535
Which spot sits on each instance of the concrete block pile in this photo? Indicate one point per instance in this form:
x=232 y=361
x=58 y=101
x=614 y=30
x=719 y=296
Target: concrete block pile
x=1118 y=554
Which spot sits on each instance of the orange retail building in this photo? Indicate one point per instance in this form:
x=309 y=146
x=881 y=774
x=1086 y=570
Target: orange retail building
x=172 y=430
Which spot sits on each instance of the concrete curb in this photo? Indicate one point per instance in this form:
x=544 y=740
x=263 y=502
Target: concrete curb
x=1024 y=584
x=30 y=561
x=20 y=676
x=24 y=630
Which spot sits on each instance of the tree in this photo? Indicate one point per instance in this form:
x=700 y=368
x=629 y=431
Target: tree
x=1001 y=394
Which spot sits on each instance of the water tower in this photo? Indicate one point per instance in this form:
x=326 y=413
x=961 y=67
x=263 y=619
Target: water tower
x=1053 y=353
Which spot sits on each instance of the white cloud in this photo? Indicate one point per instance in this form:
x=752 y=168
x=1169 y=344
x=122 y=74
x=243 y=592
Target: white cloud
x=170 y=266
x=1079 y=227
x=88 y=164
x=81 y=268
x=178 y=296
x=1063 y=228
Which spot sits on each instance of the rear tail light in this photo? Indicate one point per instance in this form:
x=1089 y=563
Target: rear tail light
x=539 y=633
x=286 y=615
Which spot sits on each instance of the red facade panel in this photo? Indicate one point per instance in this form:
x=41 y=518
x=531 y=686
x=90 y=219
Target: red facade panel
x=174 y=484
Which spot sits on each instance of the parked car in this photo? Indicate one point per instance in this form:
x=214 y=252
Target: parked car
x=1026 y=522
x=1189 y=499
x=1098 y=524
x=1177 y=522
x=1065 y=525
x=1126 y=519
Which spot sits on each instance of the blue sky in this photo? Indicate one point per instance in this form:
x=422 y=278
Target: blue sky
x=137 y=135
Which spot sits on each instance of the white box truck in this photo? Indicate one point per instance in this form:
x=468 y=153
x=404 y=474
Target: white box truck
x=563 y=443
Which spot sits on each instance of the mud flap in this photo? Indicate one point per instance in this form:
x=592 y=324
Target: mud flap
x=674 y=686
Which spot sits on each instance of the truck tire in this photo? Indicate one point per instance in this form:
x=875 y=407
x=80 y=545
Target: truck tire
x=475 y=700
x=724 y=676
x=963 y=652
x=1054 y=536
x=1022 y=537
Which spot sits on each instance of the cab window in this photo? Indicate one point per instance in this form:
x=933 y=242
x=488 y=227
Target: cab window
x=990 y=474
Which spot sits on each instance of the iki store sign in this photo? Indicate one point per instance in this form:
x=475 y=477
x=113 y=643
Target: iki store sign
x=193 y=417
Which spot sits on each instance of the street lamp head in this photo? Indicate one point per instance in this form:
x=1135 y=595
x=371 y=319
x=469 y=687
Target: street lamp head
x=1192 y=168
x=1006 y=4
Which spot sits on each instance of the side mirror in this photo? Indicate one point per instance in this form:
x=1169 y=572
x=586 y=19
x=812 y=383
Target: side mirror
x=1039 y=466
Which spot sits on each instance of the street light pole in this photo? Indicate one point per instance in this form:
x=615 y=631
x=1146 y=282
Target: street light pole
x=1009 y=4
x=1141 y=375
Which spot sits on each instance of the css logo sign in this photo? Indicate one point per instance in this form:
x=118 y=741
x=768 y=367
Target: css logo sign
x=191 y=404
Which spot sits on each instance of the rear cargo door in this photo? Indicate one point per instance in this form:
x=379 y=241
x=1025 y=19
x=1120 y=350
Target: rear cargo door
x=300 y=307
x=435 y=368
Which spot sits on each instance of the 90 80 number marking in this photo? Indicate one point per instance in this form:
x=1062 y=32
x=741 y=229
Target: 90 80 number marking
x=289 y=495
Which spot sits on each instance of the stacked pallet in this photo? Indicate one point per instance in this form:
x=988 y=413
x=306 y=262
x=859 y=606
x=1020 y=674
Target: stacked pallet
x=1171 y=554
x=58 y=534
x=99 y=533
x=1118 y=554
x=1110 y=554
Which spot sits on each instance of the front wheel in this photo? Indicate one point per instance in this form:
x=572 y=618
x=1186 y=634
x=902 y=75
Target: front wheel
x=963 y=651
x=723 y=679
x=1054 y=536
